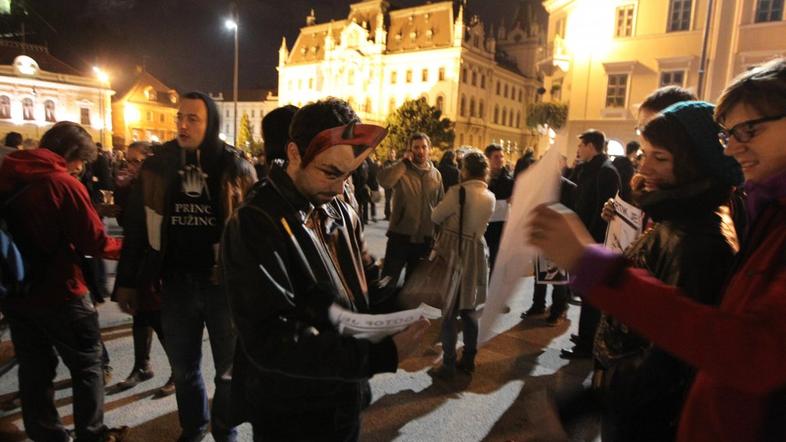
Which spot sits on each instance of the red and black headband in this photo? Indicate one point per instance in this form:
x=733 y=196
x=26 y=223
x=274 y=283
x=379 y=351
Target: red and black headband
x=360 y=136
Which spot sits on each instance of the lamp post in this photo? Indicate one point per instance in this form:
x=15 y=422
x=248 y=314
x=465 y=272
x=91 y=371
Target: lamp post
x=232 y=25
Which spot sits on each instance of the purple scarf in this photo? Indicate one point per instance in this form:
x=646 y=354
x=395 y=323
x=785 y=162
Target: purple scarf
x=761 y=194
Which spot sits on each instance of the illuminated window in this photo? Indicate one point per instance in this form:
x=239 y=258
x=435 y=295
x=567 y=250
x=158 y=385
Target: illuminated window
x=463 y=106
x=409 y=76
x=311 y=83
x=672 y=78
x=392 y=105
x=679 y=15
x=27 y=109
x=769 y=10
x=474 y=78
x=481 y=109
x=472 y=109
x=464 y=75
x=84 y=115
x=440 y=104
x=624 y=25
x=424 y=75
x=5 y=107
x=616 y=90
x=496 y=114
x=161 y=118
x=49 y=111
x=504 y=116
x=441 y=74
x=149 y=116
x=367 y=106
x=393 y=77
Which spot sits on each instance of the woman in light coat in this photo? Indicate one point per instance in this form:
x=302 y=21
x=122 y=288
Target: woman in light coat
x=466 y=256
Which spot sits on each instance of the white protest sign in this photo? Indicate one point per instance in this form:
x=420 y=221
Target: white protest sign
x=625 y=227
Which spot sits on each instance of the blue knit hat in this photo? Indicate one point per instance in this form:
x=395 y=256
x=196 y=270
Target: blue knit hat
x=696 y=118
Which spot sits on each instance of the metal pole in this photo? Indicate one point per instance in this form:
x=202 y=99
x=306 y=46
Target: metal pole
x=234 y=87
x=705 y=42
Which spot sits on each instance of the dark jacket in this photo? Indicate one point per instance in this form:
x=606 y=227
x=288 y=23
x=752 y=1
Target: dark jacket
x=597 y=181
x=691 y=246
x=150 y=202
x=54 y=224
x=450 y=174
x=290 y=356
x=501 y=185
x=625 y=170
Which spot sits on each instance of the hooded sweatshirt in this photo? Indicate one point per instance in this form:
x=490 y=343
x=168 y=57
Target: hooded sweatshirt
x=54 y=224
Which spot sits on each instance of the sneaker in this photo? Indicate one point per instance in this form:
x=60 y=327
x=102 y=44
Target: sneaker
x=167 y=389
x=115 y=434
x=533 y=311
x=107 y=375
x=136 y=376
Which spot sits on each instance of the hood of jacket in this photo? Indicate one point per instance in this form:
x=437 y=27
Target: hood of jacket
x=26 y=166
x=211 y=147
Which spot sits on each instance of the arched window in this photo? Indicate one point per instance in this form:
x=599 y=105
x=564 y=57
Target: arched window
x=5 y=107
x=510 y=118
x=464 y=75
x=504 y=116
x=506 y=91
x=49 y=111
x=497 y=87
x=472 y=107
x=483 y=81
x=481 y=109
x=496 y=114
x=474 y=78
x=440 y=103
x=27 y=109
x=463 y=107
x=518 y=119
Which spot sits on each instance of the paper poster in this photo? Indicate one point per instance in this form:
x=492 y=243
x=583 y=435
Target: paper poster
x=376 y=327
x=546 y=272
x=625 y=227
x=500 y=211
x=537 y=185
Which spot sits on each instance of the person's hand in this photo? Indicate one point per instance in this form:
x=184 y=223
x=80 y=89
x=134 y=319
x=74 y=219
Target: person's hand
x=127 y=300
x=608 y=213
x=408 y=340
x=560 y=234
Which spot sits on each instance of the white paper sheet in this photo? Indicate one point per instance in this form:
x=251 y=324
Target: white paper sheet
x=539 y=184
x=625 y=227
x=500 y=211
x=376 y=327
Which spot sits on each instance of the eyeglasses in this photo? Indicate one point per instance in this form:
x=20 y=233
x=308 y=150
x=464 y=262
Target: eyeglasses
x=745 y=131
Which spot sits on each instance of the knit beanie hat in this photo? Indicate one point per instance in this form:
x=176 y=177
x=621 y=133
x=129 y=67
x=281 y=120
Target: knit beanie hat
x=696 y=117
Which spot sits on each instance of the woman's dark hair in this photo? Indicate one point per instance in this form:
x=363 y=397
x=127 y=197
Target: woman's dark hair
x=449 y=157
x=667 y=133
x=476 y=165
x=315 y=117
x=71 y=141
x=763 y=88
x=664 y=97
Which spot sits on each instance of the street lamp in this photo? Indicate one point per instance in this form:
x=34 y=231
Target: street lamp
x=232 y=25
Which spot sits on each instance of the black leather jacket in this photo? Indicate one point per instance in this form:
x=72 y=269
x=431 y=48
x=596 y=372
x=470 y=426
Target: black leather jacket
x=289 y=355
x=691 y=245
x=596 y=181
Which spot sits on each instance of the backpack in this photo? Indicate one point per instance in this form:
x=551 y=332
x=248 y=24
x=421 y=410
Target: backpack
x=13 y=268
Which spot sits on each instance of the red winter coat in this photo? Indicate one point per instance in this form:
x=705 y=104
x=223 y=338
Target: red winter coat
x=53 y=215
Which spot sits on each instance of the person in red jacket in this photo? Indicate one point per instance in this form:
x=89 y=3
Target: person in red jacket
x=738 y=348
x=53 y=222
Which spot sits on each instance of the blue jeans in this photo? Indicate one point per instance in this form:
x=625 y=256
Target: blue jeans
x=469 y=319
x=189 y=303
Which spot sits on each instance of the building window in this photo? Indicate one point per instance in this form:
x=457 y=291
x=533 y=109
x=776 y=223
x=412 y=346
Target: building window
x=679 y=15
x=464 y=75
x=440 y=103
x=506 y=91
x=393 y=77
x=481 y=109
x=504 y=116
x=5 y=107
x=476 y=41
x=300 y=84
x=483 y=81
x=49 y=111
x=521 y=96
x=496 y=114
x=409 y=76
x=510 y=118
x=84 y=115
x=472 y=108
x=616 y=90
x=463 y=107
x=441 y=74
x=311 y=83
x=518 y=119
x=161 y=118
x=461 y=139
x=392 y=105
x=672 y=78
x=560 y=27
x=149 y=116
x=769 y=10
x=474 y=78
x=498 y=87
x=367 y=106
x=624 y=26
x=27 y=109
x=227 y=113
x=424 y=75
x=253 y=113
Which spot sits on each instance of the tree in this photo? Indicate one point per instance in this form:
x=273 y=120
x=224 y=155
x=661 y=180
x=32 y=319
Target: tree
x=552 y=114
x=245 y=134
x=416 y=116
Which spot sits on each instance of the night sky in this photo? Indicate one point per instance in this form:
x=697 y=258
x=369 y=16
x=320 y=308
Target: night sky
x=184 y=42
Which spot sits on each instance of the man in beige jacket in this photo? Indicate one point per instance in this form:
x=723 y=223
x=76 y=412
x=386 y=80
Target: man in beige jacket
x=417 y=188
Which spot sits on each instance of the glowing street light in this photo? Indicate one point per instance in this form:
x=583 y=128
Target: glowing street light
x=102 y=75
x=231 y=24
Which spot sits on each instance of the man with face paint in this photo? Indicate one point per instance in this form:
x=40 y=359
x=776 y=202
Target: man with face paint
x=292 y=251
x=172 y=227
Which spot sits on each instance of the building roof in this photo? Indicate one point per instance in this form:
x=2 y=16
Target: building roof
x=9 y=50
x=421 y=27
x=145 y=82
x=244 y=95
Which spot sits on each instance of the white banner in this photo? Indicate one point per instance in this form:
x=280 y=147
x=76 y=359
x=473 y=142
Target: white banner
x=625 y=227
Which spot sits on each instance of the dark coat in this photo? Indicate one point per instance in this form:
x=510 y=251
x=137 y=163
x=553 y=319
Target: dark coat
x=625 y=170
x=290 y=357
x=597 y=182
x=502 y=185
x=450 y=175
x=691 y=246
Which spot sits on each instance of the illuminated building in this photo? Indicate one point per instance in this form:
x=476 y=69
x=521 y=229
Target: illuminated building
x=37 y=90
x=604 y=57
x=147 y=111
x=255 y=103
x=377 y=57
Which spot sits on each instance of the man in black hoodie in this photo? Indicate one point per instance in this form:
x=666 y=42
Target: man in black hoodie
x=173 y=224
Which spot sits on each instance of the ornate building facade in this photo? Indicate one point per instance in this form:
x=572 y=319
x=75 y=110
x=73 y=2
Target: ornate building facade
x=37 y=90
x=378 y=57
x=255 y=103
x=147 y=111
x=605 y=56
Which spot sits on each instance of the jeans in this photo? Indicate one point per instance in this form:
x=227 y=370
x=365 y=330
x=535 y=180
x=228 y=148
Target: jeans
x=559 y=298
x=71 y=329
x=449 y=335
x=145 y=323
x=189 y=303
x=399 y=252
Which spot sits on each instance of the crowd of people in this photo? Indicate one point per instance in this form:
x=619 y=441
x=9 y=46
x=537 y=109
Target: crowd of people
x=684 y=327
